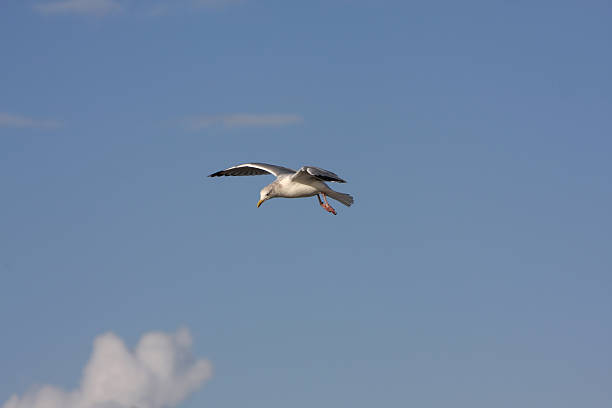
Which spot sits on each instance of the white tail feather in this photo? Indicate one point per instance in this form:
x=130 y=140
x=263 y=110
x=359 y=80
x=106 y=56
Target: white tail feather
x=345 y=199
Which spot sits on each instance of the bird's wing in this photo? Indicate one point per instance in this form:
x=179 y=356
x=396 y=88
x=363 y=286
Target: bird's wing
x=307 y=173
x=253 y=169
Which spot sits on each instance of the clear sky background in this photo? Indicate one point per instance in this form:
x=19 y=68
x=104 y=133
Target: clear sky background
x=474 y=269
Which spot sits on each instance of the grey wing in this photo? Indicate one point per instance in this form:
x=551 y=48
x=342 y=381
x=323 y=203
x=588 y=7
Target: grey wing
x=253 y=169
x=309 y=172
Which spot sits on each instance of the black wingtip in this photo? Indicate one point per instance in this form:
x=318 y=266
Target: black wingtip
x=327 y=178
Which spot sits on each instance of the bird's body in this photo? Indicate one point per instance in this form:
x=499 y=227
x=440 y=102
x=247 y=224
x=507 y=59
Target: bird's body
x=287 y=188
x=306 y=182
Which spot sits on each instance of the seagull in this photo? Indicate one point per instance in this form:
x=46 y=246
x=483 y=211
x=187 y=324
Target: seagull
x=306 y=182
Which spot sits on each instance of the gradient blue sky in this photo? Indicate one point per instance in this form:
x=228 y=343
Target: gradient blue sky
x=474 y=269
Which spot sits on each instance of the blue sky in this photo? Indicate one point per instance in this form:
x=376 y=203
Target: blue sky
x=474 y=269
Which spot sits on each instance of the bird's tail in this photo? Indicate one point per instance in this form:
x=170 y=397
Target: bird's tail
x=345 y=199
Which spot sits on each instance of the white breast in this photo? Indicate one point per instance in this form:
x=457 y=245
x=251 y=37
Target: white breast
x=292 y=189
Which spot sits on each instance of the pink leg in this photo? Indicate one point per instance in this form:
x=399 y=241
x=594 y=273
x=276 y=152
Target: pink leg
x=326 y=205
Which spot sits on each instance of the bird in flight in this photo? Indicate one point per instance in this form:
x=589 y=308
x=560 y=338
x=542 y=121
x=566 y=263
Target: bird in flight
x=306 y=182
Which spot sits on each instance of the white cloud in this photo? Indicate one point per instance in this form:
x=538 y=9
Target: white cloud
x=160 y=372
x=94 y=7
x=147 y=8
x=19 y=121
x=242 y=120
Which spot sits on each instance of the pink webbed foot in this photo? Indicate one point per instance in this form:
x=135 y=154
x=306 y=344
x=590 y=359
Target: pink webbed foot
x=326 y=205
x=329 y=208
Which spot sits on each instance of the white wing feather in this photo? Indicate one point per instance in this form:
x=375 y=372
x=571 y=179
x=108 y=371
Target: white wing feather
x=310 y=172
x=253 y=169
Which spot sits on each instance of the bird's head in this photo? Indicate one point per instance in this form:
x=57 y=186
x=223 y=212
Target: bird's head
x=266 y=193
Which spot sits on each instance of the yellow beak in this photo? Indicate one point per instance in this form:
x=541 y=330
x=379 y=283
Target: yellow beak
x=260 y=202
